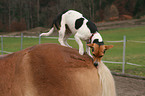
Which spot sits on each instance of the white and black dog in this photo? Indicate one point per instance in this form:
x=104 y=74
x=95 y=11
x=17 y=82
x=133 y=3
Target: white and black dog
x=82 y=29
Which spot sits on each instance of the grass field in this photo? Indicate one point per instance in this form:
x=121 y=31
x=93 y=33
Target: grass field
x=135 y=52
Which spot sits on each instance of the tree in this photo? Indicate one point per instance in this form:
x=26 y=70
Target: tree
x=38 y=8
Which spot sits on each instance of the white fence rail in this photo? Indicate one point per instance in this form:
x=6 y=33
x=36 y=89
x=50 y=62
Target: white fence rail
x=123 y=41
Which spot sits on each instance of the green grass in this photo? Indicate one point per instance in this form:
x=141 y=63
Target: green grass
x=135 y=52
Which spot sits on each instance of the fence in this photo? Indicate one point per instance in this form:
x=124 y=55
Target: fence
x=123 y=41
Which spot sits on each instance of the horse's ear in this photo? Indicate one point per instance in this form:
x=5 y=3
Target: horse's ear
x=108 y=46
x=90 y=45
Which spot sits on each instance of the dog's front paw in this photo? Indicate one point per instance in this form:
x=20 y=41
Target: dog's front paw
x=81 y=52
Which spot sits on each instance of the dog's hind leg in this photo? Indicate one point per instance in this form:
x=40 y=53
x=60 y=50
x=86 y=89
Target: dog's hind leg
x=67 y=35
x=62 y=34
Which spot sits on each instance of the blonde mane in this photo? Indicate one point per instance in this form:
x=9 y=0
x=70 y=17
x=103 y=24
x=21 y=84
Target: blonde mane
x=107 y=81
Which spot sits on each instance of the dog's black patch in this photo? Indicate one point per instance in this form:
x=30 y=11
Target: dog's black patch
x=79 y=23
x=97 y=42
x=92 y=27
x=57 y=20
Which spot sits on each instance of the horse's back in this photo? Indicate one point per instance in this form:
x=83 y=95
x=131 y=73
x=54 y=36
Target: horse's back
x=48 y=70
x=61 y=71
x=10 y=74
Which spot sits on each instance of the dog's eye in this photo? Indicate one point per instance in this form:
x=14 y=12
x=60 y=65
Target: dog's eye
x=100 y=56
x=104 y=51
x=93 y=54
x=93 y=49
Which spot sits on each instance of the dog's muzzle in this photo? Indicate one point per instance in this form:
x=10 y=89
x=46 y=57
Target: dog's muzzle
x=96 y=64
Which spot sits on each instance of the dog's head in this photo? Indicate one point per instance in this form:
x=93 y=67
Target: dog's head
x=98 y=51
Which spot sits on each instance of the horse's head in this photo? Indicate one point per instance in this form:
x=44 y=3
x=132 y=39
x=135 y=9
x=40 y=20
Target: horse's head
x=98 y=51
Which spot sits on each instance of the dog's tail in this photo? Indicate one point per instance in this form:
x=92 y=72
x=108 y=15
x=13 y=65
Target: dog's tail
x=55 y=24
x=48 y=33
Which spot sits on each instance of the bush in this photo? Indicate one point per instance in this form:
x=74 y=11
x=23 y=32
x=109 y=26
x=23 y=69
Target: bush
x=111 y=12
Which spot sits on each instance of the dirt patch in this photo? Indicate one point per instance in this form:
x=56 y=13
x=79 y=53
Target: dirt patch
x=121 y=24
x=129 y=86
x=101 y=26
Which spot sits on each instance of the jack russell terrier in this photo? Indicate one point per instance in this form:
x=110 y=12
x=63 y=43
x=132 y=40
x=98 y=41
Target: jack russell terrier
x=82 y=29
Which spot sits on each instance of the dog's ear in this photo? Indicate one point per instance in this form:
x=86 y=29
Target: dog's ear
x=90 y=45
x=108 y=46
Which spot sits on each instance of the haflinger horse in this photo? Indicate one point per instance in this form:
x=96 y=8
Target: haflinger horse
x=53 y=70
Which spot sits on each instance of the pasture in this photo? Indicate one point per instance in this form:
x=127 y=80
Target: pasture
x=135 y=52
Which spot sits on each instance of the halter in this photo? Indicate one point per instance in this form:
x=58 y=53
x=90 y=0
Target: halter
x=91 y=36
x=96 y=40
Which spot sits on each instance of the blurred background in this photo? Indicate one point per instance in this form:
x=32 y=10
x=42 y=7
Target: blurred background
x=18 y=15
